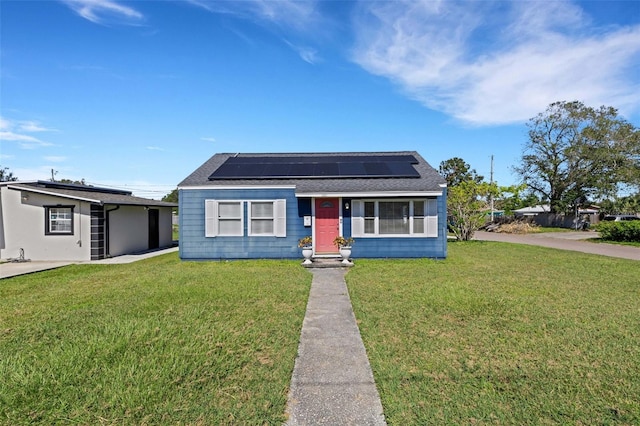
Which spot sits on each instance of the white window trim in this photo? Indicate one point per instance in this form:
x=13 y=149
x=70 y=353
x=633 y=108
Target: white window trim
x=50 y=221
x=212 y=219
x=279 y=218
x=430 y=221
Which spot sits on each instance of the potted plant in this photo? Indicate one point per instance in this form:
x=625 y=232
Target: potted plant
x=306 y=244
x=344 y=246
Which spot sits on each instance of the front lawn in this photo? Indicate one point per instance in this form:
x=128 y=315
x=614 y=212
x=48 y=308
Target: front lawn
x=502 y=334
x=496 y=334
x=155 y=342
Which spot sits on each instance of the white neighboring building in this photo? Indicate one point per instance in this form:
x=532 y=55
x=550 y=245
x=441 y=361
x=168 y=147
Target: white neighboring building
x=55 y=221
x=532 y=210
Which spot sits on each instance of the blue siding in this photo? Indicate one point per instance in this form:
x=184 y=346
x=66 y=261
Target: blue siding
x=401 y=247
x=194 y=245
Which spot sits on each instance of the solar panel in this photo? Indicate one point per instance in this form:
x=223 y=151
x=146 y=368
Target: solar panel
x=317 y=166
x=351 y=169
x=377 y=169
x=301 y=169
x=325 y=169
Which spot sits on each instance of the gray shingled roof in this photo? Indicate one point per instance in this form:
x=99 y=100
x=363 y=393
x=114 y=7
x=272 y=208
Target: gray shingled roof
x=94 y=196
x=429 y=180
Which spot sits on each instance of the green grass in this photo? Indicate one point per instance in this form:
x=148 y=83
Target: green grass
x=155 y=342
x=502 y=334
x=620 y=243
x=495 y=334
x=547 y=229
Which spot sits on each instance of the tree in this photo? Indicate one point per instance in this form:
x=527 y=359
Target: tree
x=575 y=151
x=455 y=171
x=75 y=182
x=467 y=207
x=624 y=205
x=6 y=175
x=515 y=197
x=171 y=197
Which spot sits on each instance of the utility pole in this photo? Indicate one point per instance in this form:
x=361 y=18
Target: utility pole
x=491 y=195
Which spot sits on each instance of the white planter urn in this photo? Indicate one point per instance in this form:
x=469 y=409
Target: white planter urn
x=345 y=252
x=307 y=252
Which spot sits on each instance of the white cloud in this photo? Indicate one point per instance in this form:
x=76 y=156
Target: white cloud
x=105 y=12
x=302 y=17
x=55 y=159
x=498 y=62
x=308 y=54
x=4 y=124
x=33 y=126
x=25 y=141
x=286 y=13
x=207 y=139
x=16 y=131
x=155 y=148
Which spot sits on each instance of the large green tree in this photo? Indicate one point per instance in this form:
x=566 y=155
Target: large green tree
x=514 y=197
x=455 y=170
x=575 y=151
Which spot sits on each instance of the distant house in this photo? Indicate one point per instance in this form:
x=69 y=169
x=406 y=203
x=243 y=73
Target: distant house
x=243 y=206
x=55 y=221
x=532 y=210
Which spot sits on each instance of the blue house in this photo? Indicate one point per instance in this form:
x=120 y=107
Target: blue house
x=246 y=206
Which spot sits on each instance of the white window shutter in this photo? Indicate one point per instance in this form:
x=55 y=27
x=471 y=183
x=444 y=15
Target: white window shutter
x=357 y=218
x=210 y=218
x=280 y=218
x=431 y=216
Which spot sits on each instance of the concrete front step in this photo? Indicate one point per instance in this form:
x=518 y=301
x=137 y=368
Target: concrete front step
x=328 y=262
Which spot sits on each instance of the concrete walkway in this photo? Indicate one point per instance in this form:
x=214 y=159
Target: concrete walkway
x=11 y=269
x=332 y=382
x=574 y=241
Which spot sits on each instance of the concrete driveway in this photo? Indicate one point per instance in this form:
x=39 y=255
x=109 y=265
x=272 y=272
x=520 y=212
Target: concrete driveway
x=12 y=269
x=574 y=241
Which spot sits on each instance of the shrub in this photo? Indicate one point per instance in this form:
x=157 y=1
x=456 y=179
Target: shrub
x=620 y=231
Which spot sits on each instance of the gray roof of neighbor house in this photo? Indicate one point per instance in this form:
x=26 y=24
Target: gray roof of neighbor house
x=408 y=172
x=92 y=194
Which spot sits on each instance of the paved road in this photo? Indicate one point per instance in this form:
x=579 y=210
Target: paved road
x=574 y=241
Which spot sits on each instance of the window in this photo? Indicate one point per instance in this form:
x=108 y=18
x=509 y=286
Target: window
x=226 y=218
x=393 y=217
x=261 y=218
x=369 y=217
x=418 y=217
x=58 y=220
x=230 y=218
x=223 y=218
x=397 y=218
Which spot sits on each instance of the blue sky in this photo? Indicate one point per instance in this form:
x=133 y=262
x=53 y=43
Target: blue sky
x=137 y=94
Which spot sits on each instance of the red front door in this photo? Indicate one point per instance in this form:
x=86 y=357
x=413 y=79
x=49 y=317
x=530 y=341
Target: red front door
x=327 y=224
